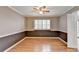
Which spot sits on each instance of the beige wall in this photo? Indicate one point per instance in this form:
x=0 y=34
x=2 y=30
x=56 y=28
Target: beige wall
x=10 y=22
x=63 y=23
x=30 y=20
x=63 y=20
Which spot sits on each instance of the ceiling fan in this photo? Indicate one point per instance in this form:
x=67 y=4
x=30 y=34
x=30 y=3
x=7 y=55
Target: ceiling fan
x=41 y=9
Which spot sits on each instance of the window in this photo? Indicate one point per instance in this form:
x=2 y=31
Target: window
x=41 y=24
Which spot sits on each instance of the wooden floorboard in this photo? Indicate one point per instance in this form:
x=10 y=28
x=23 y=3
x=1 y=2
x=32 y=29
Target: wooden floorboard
x=41 y=45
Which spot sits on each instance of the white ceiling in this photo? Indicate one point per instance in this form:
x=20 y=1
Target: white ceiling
x=54 y=10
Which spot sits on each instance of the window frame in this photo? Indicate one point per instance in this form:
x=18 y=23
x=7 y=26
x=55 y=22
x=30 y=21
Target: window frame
x=42 y=25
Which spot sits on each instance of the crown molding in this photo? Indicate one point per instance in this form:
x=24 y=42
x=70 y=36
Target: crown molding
x=14 y=9
x=68 y=10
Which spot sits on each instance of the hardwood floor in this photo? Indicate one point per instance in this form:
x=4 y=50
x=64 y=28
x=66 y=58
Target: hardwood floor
x=41 y=45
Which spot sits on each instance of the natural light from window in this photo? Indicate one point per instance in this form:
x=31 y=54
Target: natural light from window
x=41 y=24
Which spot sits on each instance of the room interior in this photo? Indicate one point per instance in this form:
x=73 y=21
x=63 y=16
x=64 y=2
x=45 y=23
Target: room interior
x=28 y=29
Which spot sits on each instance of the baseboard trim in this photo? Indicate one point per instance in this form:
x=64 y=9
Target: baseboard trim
x=33 y=37
x=14 y=45
x=43 y=37
x=62 y=40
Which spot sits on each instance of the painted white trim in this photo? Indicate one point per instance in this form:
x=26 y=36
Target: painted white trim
x=62 y=31
x=53 y=30
x=14 y=45
x=71 y=47
x=29 y=29
x=62 y=40
x=1 y=36
x=58 y=30
x=16 y=10
x=39 y=29
x=33 y=37
x=44 y=37
x=68 y=10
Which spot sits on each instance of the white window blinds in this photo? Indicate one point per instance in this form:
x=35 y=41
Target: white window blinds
x=41 y=24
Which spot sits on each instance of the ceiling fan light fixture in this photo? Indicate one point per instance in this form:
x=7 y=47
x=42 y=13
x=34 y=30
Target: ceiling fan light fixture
x=41 y=12
x=41 y=9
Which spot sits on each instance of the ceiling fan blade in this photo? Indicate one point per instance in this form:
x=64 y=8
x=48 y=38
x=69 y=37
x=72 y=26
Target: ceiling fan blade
x=43 y=9
x=47 y=11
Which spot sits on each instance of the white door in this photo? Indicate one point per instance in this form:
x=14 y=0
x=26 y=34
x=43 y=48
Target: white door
x=72 y=30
